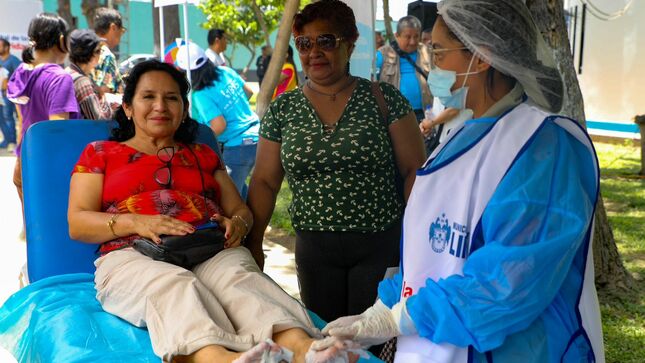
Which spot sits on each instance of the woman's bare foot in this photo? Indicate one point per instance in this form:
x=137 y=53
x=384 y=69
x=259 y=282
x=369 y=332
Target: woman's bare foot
x=210 y=354
x=308 y=350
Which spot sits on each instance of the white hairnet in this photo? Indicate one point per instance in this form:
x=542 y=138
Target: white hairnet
x=503 y=33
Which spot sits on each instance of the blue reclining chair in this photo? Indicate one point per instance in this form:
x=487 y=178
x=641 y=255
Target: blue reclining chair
x=57 y=317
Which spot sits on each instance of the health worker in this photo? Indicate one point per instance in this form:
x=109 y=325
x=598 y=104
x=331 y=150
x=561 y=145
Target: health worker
x=496 y=245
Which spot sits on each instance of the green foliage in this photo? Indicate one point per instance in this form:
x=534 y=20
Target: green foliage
x=280 y=218
x=623 y=315
x=239 y=21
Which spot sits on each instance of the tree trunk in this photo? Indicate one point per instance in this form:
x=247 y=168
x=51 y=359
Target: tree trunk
x=170 y=26
x=65 y=12
x=88 y=8
x=263 y=25
x=387 y=19
x=610 y=273
x=640 y=121
x=272 y=75
x=549 y=17
x=229 y=61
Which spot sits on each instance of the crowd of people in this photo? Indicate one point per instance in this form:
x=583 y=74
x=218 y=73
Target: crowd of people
x=473 y=283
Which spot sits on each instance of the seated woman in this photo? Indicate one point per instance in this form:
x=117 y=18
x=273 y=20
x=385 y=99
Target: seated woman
x=152 y=180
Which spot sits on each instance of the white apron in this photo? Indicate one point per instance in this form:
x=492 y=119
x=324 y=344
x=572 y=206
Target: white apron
x=446 y=204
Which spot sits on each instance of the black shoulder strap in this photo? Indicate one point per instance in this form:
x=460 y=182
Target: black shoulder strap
x=380 y=100
x=201 y=175
x=406 y=56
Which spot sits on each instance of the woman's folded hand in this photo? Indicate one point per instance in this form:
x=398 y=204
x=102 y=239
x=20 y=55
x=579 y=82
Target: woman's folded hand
x=153 y=226
x=235 y=229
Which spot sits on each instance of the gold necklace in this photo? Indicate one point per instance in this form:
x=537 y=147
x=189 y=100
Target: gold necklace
x=332 y=96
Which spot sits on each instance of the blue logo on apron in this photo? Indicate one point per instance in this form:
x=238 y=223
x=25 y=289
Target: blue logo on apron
x=440 y=234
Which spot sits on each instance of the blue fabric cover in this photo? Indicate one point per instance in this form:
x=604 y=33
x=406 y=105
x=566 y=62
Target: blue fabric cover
x=49 y=152
x=58 y=319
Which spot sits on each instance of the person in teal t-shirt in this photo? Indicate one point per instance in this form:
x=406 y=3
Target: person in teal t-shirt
x=220 y=101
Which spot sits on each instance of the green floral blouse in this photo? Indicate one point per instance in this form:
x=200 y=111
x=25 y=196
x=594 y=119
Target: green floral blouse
x=344 y=179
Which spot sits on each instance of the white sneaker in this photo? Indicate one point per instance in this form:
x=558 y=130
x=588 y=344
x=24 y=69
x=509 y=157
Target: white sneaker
x=11 y=147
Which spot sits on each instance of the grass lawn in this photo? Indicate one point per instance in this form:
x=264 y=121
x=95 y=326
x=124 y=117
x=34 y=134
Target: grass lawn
x=624 y=195
x=280 y=218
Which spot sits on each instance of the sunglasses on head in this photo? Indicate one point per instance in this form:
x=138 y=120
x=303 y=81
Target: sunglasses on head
x=325 y=42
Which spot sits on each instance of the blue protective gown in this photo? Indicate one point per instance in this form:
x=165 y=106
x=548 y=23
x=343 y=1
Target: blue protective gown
x=521 y=283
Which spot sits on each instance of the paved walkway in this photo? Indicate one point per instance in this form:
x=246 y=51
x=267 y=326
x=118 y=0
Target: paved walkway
x=279 y=262
x=12 y=250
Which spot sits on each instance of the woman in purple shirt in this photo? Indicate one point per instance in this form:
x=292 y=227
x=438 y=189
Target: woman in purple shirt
x=43 y=89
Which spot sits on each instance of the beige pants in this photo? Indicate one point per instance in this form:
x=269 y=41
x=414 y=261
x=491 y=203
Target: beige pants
x=225 y=300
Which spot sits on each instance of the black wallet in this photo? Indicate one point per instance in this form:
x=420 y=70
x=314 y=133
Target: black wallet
x=185 y=251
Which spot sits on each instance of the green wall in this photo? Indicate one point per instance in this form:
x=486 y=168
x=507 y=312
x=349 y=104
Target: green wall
x=140 y=38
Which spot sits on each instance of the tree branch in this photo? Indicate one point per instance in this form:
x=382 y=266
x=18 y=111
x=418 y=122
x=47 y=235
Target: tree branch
x=263 y=25
x=272 y=75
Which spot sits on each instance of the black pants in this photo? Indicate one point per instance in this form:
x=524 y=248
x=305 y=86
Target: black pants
x=420 y=115
x=339 y=272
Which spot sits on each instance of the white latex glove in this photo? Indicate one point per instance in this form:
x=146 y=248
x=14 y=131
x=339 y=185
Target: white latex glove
x=376 y=325
x=333 y=350
x=276 y=354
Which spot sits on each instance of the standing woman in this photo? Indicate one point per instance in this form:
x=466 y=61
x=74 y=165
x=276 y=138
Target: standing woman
x=42 y=88
x=498 y=267
x=331 y=142
x=288 y=76
x=220 y=100
x=84 y=52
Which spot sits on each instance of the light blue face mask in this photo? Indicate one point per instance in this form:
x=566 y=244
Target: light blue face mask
x=440 y=81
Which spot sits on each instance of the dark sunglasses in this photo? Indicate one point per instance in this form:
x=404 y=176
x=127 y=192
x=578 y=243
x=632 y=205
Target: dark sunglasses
x=326 y=42
x=163 y=175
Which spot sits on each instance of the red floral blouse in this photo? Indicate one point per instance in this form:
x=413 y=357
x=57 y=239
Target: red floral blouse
x=129 y=184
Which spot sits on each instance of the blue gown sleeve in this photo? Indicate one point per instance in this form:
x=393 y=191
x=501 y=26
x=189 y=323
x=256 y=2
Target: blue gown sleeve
x=508 y=282
x=389 y=290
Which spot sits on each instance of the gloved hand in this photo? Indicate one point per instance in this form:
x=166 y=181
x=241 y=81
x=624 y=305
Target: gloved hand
x=376 y=325
x=334 y=350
